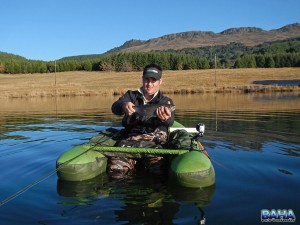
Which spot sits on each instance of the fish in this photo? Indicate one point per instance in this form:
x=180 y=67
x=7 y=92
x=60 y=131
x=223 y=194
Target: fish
x=146 y=112
x=150 y=110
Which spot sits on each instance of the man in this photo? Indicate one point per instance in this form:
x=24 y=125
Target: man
x=153 y=129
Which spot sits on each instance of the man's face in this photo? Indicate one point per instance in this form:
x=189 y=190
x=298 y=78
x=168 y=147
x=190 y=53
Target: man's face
x=151 y=85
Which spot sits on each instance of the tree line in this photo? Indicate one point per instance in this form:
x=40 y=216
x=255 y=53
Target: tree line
x=125 y=62
x=230 y=53
x=269 y=61
x=268 y=55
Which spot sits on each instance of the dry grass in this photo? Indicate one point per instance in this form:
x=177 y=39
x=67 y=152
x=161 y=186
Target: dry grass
x=112 y=83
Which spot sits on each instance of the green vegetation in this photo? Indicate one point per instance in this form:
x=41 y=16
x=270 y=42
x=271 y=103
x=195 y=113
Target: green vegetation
x=228 y=55
x=268 y=55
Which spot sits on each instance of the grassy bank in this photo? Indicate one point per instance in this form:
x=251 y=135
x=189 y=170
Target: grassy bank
x=112 y=83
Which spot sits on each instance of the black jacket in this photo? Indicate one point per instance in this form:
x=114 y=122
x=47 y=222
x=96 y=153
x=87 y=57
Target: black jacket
x=137 y=99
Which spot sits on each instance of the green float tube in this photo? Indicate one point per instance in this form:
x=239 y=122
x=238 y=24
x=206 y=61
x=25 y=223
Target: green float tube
x=193 y=169
x=80 y=163
x=190 y=168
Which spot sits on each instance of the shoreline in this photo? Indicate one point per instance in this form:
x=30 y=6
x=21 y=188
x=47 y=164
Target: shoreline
x=71 y=84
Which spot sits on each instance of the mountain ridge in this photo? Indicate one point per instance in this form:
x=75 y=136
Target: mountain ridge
x=248 y=36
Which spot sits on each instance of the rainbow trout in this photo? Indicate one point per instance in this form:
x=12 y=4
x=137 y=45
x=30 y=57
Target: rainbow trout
x=145 y=112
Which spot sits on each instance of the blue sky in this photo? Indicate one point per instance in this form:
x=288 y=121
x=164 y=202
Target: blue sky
x=52 y=29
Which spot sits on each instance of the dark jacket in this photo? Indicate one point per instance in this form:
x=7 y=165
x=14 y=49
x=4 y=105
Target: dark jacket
x=137 y=99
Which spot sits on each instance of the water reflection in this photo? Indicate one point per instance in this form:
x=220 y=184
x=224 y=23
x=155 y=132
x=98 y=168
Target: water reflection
x=253 y=141
x=82 y=189
x=236 y=119
x=149 y=200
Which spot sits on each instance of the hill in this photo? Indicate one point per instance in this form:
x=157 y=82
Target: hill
x=9 y=56
x=247 y=36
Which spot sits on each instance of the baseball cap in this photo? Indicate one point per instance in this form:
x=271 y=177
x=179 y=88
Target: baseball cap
x=152 y=71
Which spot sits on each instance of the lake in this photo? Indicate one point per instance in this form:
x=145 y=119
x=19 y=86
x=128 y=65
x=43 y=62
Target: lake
x=253 y=141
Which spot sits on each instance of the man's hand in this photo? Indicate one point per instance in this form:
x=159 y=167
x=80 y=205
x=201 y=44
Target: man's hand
x=128 y=108
x=163 y=113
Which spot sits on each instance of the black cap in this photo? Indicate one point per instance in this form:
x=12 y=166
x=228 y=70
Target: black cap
x=153 y=71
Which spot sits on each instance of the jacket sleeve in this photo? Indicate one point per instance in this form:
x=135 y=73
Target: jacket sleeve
x=117 y=106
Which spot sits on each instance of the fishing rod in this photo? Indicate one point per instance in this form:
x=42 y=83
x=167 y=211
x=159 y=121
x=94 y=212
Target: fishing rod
x=49 y=174
x=200 y=128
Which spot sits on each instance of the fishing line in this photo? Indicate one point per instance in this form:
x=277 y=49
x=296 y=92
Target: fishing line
x=5 y=154
x=49 y=174
x=203 y=150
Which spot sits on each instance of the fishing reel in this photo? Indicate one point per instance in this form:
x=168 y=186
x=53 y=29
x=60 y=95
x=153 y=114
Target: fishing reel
x=200 y=127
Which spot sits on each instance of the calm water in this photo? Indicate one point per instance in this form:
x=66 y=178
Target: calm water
x=254 y=142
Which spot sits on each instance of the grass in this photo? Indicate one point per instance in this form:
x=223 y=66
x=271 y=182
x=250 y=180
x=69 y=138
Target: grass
x=174 y=82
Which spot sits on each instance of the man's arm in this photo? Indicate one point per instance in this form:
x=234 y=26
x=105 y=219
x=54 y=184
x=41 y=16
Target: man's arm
x=123 y=105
